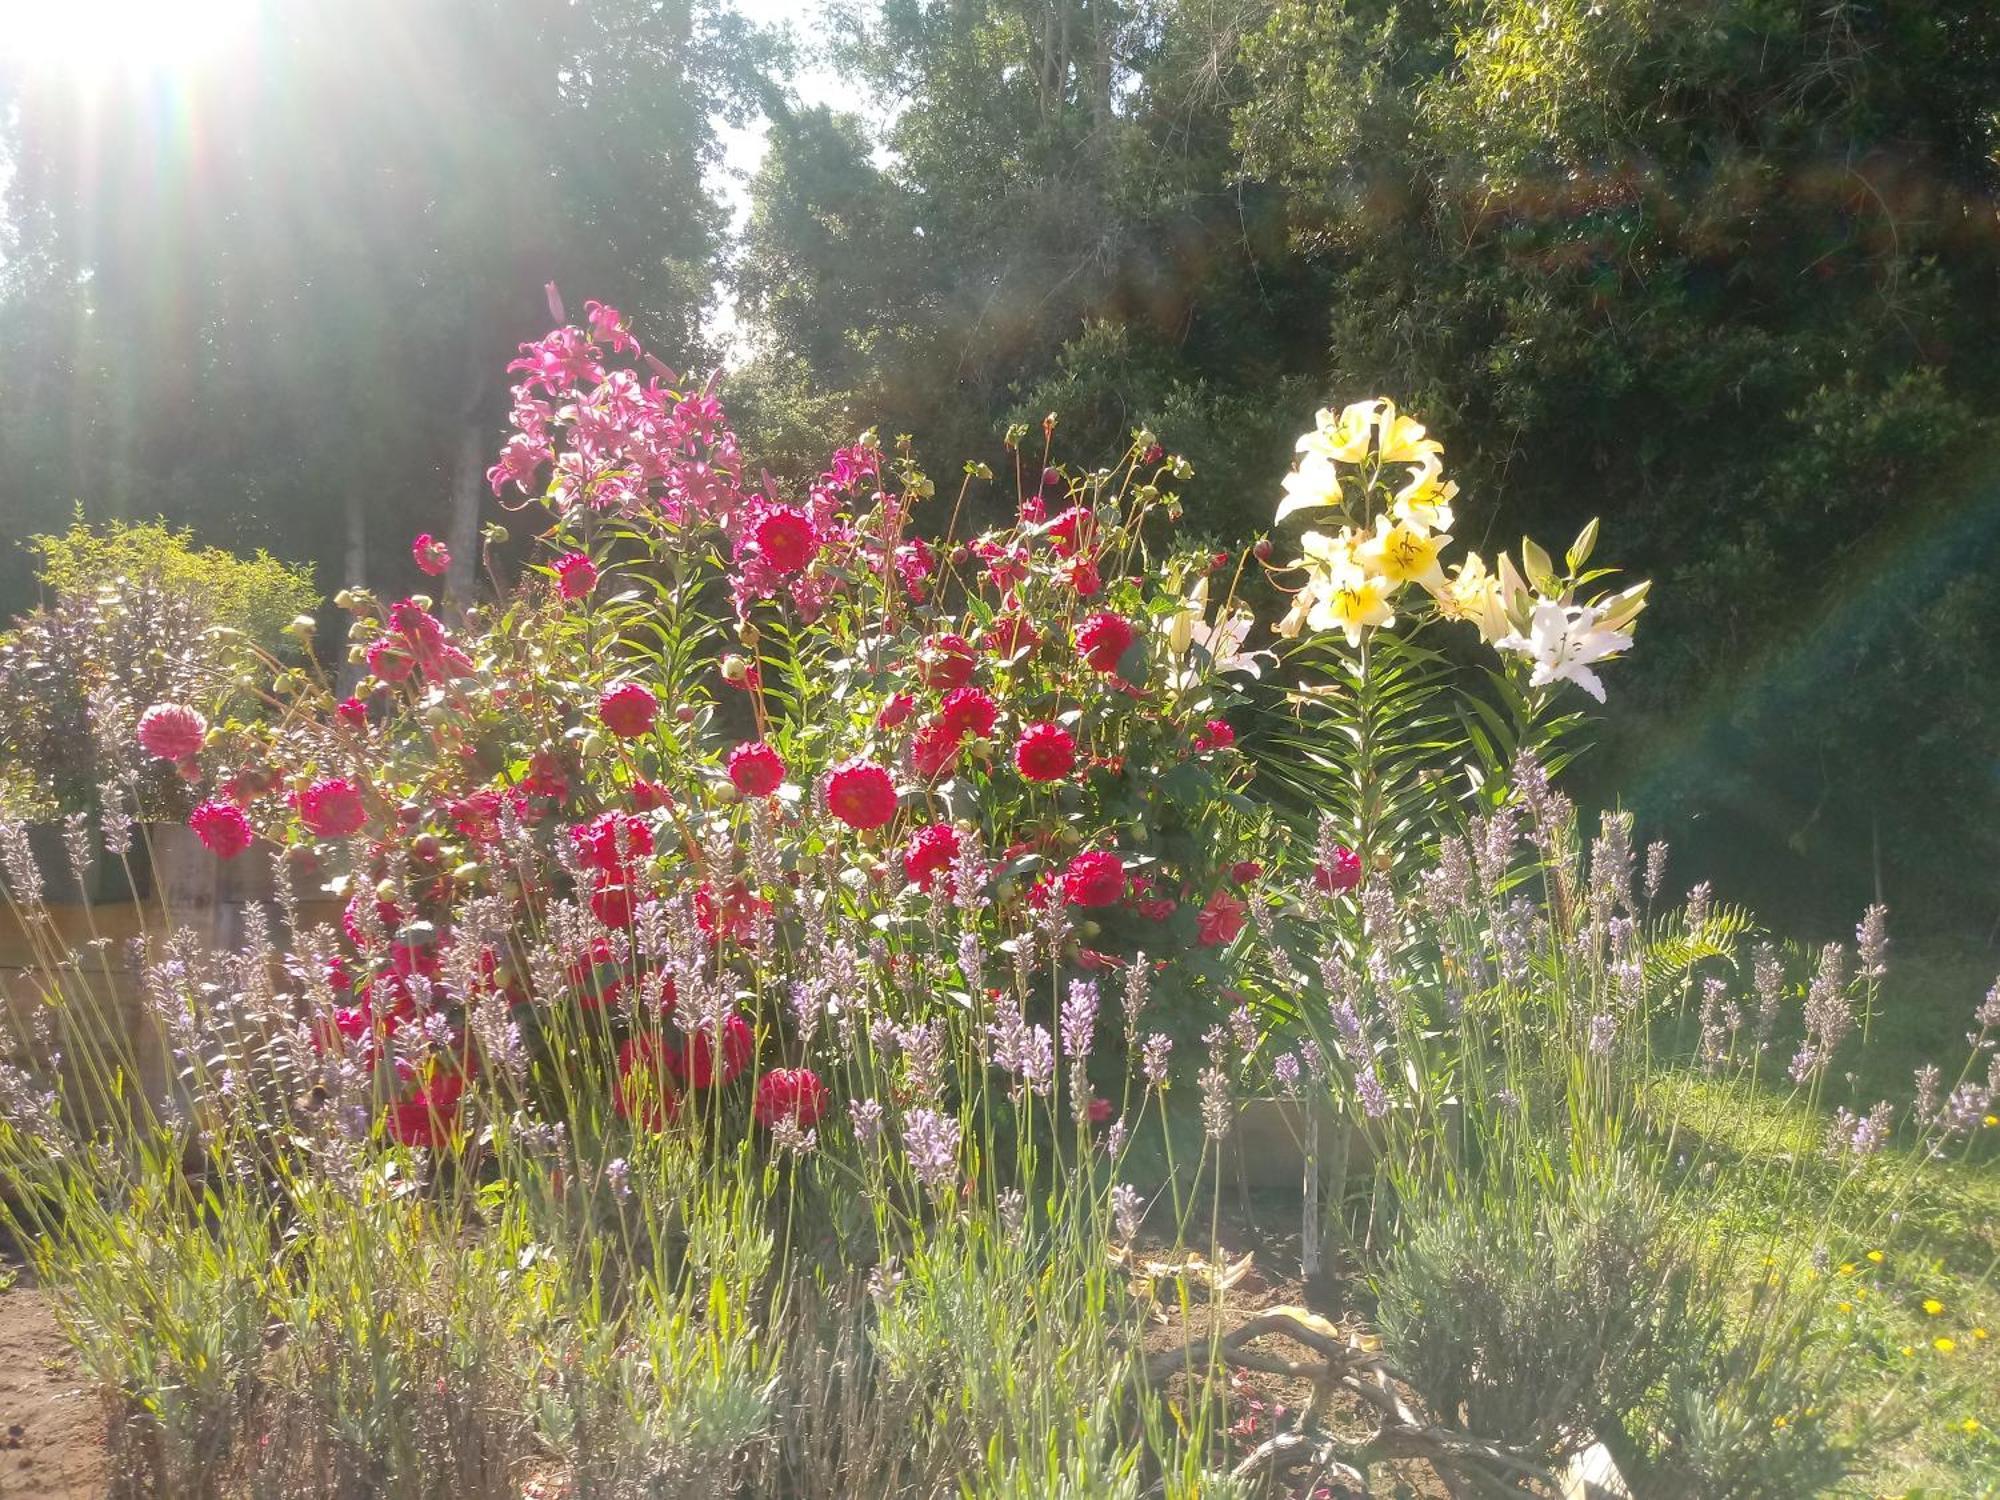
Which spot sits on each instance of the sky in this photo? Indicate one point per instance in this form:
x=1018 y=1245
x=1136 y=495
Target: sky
x=100 y=38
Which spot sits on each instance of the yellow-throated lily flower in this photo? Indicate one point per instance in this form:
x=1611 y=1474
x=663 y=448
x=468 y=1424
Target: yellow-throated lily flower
x=1426 y=499
x=1403 y=440
x=1352 y=603
x=1474 y=594
x=1344 y=438
x=1402 y=552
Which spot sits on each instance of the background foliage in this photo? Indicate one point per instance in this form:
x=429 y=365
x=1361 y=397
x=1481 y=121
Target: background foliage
x=1722 y=270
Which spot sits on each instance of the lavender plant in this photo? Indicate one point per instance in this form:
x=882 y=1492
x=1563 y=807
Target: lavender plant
x=718 y=1001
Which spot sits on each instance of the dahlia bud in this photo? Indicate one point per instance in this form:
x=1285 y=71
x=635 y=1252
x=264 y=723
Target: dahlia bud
x=1261 y=549
x=734 y=669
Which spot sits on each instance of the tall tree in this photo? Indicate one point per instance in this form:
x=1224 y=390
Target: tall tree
x=274 y=297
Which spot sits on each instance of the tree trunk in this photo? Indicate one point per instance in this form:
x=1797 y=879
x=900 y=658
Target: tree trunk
x=468 y=480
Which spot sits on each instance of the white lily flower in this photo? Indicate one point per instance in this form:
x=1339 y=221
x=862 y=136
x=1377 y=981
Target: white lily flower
x=1563 y=640
x=1313 y=485
x=1221 y=643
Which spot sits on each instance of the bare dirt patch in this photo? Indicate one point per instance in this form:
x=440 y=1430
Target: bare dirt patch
x=51 y=1421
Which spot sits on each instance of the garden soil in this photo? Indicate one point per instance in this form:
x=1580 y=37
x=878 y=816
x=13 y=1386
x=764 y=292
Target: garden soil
x=51 y=1423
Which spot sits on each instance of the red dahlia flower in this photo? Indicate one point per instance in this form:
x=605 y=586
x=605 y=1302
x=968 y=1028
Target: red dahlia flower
x=648 y=796
x=1070 y=533
x=576 y=575
x=431 y=554
x=597 y=842
x=931 y=850
x=1103 y=640
x=611 y=901
x=969 y=710
x=756 y=769
x=171 y=731
x=353 y=712
x=628 y=710
x=223 y=829
x=646 y=1093
x=895 y=711
x=695 y=1063
x=430 y=1118
x=1094 y=878
x=1010 y=635
x=390 y=660
x=935 y=749
x=332 y=809
x=1342 y=874
x=734 y=917
x=1215 y=735
x=945 y=662
x=1046 y=752
x=1218 y=922
x=793 y=1094
x=861 y=795
x=787 y=538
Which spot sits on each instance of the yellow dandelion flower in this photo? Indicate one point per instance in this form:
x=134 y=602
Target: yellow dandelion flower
x=1908 y=1350
x=1990 y=1121
x=1944 y=1345
x=1933 y=1307
x=1875 y=1256
x=1847 y=1268
x=1779 y=1424
x=1969 y=1426
x=1847 y=1307
x=1980 y=1333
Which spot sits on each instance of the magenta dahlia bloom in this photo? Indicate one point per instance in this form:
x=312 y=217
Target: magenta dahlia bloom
x=332 y=809
x=1103 y=639
x=969 y=710
x=628 y=710
x=430 y=554
x=1341 y=873
x=790 y=1095
x=756 y=769
x=931 y=850
x=1094 y=878
x=1046 y=752
x=222 y=827
x=576 y=575
x=861 y=795
x=787 y=539
x=171 y=731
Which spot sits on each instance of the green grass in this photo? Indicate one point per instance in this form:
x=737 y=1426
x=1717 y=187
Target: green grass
x=1903 y=1257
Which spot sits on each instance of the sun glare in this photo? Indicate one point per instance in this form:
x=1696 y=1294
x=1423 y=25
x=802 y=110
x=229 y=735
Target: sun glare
x=90 y=36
